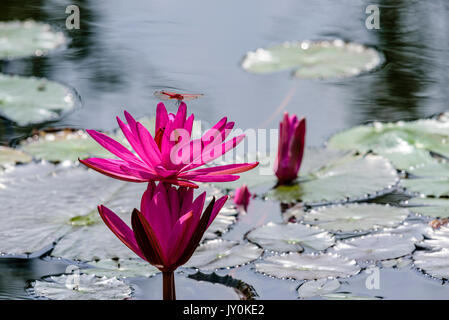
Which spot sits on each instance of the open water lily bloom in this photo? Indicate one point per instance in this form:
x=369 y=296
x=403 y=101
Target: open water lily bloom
x=167 y=229
x=170 y=156
x=292 y=134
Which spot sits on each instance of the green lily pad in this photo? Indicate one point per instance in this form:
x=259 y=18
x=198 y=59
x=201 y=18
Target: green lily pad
x=438 y=208
x=313 y=60
x=374 y=247
x=437 y=239
x=307 y=266
x=435 y=264
x=63 y=145
x=28 y=100
x=51 y=202
x=427 y=186
x=318 y=287
x=355 y=217
x=123 y=268
x=429 y=179
x=405 y=144
x=219 y=254
x=10 y=156
x=349 y=179
x=219 y=226
x=347 y=296
x=20 y=39
x=81 y=287
x=290 y=237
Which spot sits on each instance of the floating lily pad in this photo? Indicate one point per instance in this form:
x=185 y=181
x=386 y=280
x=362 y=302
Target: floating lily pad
x=123 y=268
x=318 y=287
x=81 y=287
x=406 y=144
x=63 y=145
x=374 y=247
x=397 y=263
x=219 y=226
x=218 y=254
x=355 y=217
x=28 y=100
x=313 y=60
x=429 y=179
x=435 y=264
x=20 y=39
x=430 y=207
x=43 y=202
x=307 y=266
x=412 y=231
x=12 y=156
x=347 y=296
x=290 y=237
x=349 y=178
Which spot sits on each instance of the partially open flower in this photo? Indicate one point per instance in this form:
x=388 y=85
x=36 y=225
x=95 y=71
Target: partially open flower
x=171 y=156
x=167 y=229
x=292 y=133
x=242 y=196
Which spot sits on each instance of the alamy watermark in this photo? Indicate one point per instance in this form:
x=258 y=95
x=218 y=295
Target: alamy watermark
x=73 y=20
x=373 y=20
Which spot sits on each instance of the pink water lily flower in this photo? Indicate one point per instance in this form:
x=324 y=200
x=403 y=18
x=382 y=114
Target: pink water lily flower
x=292 y=133
x=167 y=229
x=170 y=156
x=242 y=196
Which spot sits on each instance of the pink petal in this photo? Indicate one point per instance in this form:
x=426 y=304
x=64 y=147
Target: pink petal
x=111 y=168
x=214 y=178
x=225 y=169
x=114 y=147
x=161 y=116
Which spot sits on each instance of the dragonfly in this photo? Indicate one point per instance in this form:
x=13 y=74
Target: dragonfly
x=168 y=95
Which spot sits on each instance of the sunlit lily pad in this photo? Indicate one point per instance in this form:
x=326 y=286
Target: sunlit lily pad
x=375 y=247
x=434 y=263
x=290 y=237
x=397 y=263
x=42 y=202
x=123 y=268
x=313 y=60
x=413 y=231
x=430 y=207
x=27 y=38
x=218 y=254
x=307 y=266
x=406 y=144
x=63 y=145
x=11 y=156
x=429 y=179
x=349 y=178
x=318 y=287
x=81 y=287
x=355 y=217
x=28 y=100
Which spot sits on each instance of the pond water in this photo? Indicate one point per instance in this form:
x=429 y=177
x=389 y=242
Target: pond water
x=125 y=50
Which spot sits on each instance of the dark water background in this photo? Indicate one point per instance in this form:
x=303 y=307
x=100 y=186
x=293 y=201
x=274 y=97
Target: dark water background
x=125 y=50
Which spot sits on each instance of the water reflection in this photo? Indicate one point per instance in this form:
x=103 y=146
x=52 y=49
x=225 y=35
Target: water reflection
x=412 y=83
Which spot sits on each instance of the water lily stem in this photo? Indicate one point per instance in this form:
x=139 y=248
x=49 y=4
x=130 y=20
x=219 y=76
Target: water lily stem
x=168 y=282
